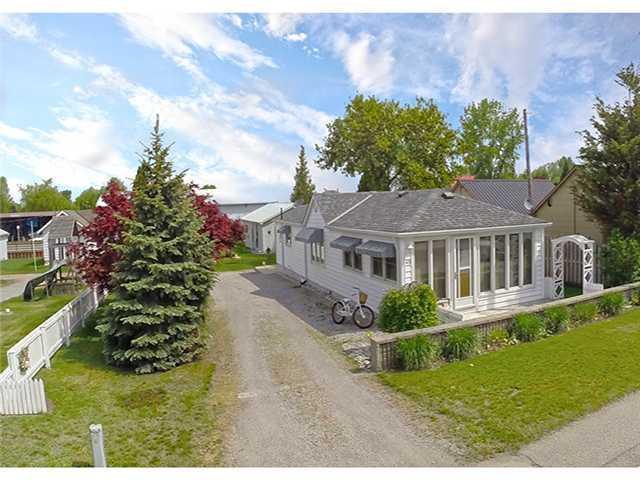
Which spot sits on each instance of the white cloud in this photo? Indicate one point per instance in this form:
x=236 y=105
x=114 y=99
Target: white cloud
x=368 y=60
x=67 y=58
x=176 y=35
x=13 y=133
x=296 y=37
x=19 y=26
x=282 y=25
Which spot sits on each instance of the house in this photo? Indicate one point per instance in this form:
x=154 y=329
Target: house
x=260 y=230
x=238 y=210
x=61 y=231
x=559 y=206
x=4 y=240
x=509 y=194
x=476 y=256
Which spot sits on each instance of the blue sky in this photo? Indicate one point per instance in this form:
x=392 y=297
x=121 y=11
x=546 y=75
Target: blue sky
x=238 y=94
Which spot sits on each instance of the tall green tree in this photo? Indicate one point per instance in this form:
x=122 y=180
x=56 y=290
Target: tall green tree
x=164 y=275
x=489 y=138
x=303 y=189
x=88 y=198
x=608 y=187
x=554 y=171
x=6 y=202
x=391 y=146
x=43 y=196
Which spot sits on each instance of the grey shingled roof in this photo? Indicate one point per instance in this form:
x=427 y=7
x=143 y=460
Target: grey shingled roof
x=295 y=215
x=333 y=204
x=426 y=210
x=63 y=226
x=510 y=194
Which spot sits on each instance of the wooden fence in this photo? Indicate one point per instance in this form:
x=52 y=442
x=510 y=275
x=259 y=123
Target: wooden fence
x=383 y=345
x=22 y=398
x=35 y=350
x=25 y=249
x=573 y=262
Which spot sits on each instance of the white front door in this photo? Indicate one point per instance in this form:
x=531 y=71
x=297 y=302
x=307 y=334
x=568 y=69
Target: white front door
x=464 y=272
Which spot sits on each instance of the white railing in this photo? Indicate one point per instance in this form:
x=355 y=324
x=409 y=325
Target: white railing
x=19 y=392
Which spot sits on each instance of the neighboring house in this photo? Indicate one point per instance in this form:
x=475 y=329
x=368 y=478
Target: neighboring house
x=238 y=210
x=260 y=230
x=559 y=206
x=509 y=194
x=61 y=231
x=475 y=256
x=4 y=239
x=19 y=224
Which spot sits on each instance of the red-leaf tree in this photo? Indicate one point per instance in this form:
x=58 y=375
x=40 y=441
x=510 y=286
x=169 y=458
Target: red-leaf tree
x=224 y=231
x=95 y=257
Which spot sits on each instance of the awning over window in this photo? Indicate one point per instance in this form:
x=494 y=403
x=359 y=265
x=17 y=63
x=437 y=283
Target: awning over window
x=348 y=244
x=285 y=229
x=310 y=235
x=377 y=249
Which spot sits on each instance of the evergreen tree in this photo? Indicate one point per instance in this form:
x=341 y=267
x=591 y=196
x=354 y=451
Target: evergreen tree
x=6 y=202
x=164 y=273
x=303 y=189
x=608 y=187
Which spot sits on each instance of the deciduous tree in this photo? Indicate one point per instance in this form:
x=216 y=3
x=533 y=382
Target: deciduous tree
x=88 y=198
x=43 y=196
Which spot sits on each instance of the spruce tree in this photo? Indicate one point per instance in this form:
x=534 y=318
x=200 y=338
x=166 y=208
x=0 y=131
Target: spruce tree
x=303 y=188
x=164 y=273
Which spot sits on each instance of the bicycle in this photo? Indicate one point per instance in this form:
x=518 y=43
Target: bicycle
x=356 y=307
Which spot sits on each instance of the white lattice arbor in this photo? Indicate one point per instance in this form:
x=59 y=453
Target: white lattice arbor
x=557 y=250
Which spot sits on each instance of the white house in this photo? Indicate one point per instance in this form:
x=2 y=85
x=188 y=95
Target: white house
x=475 y=256
x=4 y=239
x=260 y=229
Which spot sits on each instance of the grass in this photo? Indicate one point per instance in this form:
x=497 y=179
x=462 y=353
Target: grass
x=22 y=265
x=502 y=400
x=24 y=317
x=247 y=261
x=162 y=419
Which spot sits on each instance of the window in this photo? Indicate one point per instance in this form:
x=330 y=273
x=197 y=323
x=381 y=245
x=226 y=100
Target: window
x=288 y=237
x=352 y=260
x=421 y=250
x=317 y=252
x=439 y=268
x=357 y=261
x=465 y=246
x=485 y=264
x=514 y=259
x=500 y=241
x=390 y=268
x=527 y=258
x=347 y=259
x=376 y=266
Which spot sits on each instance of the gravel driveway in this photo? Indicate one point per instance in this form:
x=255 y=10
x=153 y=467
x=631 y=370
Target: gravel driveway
x=299 y=405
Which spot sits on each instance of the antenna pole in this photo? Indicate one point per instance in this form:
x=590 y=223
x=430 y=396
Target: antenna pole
x=526 y=152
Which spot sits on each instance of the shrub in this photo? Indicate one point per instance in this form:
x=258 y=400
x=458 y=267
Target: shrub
x=526 y=327
x=621 y=259
x=635 y=298
x=408 y=308
x=556 y=319
x=417 y=352
x=498 y=338
x=584 y=312
x=460 y=344
x=611 y=303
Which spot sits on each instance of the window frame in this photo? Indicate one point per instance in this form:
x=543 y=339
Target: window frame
x=352 y=255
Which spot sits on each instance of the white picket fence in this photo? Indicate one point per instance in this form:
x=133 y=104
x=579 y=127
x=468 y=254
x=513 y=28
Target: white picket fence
x=35 y=350
x=22 y=398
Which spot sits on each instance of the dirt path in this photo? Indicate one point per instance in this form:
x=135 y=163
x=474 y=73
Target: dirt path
x=16 y=287
x=299 y=405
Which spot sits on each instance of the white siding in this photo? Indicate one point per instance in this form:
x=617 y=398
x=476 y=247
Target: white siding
x=3 y=249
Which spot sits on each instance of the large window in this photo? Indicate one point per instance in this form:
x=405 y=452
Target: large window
x=384 y=267
x=485 y=264
x=352 y=260
x=500 y=242
x=439 y=268
x=421 y=250
x=514 y=260
x=527 y=258
x=317 y=252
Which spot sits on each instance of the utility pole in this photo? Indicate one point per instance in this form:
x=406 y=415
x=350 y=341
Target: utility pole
x=529 y=202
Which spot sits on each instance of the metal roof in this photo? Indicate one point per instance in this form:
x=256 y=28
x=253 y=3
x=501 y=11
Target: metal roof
x=348 y=244
x=374 y=248
x=310 y=235
x=510 y=194
x=425 y=211
x=266 y=212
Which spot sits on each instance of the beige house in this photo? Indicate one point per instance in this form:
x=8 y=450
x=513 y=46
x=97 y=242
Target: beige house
x=559 y=206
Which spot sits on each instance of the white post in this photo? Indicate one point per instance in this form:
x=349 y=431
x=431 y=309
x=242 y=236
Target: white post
x=67 y=326
x=97 y=445
x=45 y=354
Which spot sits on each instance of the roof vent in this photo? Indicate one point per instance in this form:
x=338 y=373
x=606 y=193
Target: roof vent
x=447 y=195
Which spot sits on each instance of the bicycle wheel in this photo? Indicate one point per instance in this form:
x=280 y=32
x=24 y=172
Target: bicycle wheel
x=337 y=312
x=363 y=317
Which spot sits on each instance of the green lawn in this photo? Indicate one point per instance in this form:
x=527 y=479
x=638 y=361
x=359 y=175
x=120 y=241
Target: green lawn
x=572 y=291
x=502 y=400
x=24 y=317
x=162 y=419
x=22 y=265
x=247 y=260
